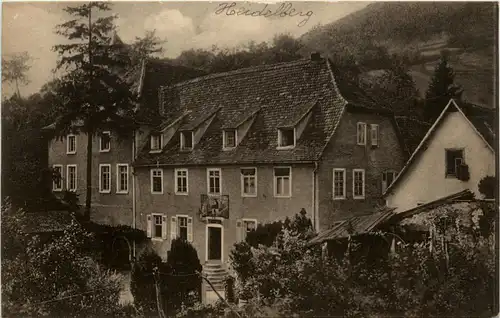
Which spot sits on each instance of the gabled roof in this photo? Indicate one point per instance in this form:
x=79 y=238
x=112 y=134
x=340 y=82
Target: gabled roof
x=278 y=94
x=474 y=117
x=412 y=131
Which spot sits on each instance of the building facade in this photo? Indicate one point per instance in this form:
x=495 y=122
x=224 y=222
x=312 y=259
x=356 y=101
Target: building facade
x=255 y=145
x=456 y=153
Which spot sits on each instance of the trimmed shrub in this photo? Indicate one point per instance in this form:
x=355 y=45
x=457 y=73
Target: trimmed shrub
x=487 y=187
x=182 y=280
x=142 y=283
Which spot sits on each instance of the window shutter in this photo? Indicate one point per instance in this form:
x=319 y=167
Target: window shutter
x=164 y=227
x=239 y=236
x=173 y=227
x=190 y=229
x=374 y=134
x=149 y=226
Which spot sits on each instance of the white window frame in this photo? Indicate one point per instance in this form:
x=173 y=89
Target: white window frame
x=68 y=180
x=176 y=181
x=68 y=151
x=358 y=197
x=248 y=195
x=178 y=225
x=183 y=147
x=280 y=137
x=101 y=190
x=153 y=227
x=224 y=146
x=160 y=137
x=151 y=180
x=208 y=181
x=374 y=128
x=361 y=127
x=276 y=183
x=61 y=180
x=343 y=170
x=100 y=141
x=118 y=178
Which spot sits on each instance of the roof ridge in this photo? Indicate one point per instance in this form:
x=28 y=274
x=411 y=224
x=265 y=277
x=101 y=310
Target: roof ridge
x=413 y=119
x=245 y=70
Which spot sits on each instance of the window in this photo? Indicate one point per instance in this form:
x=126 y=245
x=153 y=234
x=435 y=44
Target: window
x=182 y=230
x=71 y=144
x=358 y=183
x=286 y=138
x=71 y=175
x=229 y=139
x=283 y=182
x=181 y=226
x=157 y=181
x=105 y=141
x=245 y=226
x=338 y=184
x=57 y=177
x=122 y=178
x=248 y=182
x=387 y=179
x=454 y=158
x=374 y=135
x=181 y=181
x=214 y=181
x=186 y=140
x=104 y=178
x=156 y=142
x=361 y=134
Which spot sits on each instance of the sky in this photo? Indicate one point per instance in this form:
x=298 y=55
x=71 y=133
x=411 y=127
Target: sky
x=29 y=26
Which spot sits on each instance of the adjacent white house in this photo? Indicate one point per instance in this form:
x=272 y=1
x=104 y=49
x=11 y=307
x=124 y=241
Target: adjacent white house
x=454 y=155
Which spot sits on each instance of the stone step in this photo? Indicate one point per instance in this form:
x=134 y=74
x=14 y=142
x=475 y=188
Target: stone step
x=214 y=271
x=214 y=265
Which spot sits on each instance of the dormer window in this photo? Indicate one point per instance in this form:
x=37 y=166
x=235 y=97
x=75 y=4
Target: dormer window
x=186 y=140
x=229 y=139
x=286 y=138
x=156 y=142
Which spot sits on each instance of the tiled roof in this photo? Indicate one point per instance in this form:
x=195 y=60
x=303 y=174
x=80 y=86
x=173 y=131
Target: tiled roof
x=353 y=226
x=278 y=94
x=482 y=118
x=412 y=131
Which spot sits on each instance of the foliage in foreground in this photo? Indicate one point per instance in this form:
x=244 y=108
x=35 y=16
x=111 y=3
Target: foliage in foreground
x=53 y=274
x=178 y=281
x=450 y=273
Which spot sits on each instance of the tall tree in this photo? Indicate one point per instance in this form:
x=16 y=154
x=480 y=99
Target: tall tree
x=15 y=69
x=146 y=46
x=92 y=95
x=441 y=89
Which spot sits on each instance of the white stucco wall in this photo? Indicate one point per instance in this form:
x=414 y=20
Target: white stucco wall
x=425 y=179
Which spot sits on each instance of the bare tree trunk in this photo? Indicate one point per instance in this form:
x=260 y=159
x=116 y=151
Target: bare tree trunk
x=17 y=88
x=88 y=196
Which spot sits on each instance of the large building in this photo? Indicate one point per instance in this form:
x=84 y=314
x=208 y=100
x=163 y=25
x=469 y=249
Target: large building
x=258 y=144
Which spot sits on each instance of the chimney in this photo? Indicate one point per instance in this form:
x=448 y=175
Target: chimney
x=316 y=56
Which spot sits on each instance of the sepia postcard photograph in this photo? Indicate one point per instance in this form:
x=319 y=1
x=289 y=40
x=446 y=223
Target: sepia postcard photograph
x=249 y=159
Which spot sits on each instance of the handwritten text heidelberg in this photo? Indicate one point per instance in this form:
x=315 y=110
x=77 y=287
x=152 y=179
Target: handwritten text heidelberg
x=284 y=9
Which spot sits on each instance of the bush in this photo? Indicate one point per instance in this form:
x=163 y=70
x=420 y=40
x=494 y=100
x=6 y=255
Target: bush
x=452 y=273
x=183 y=269
x=488 y=187
x=53 y=275
x=142 y=283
